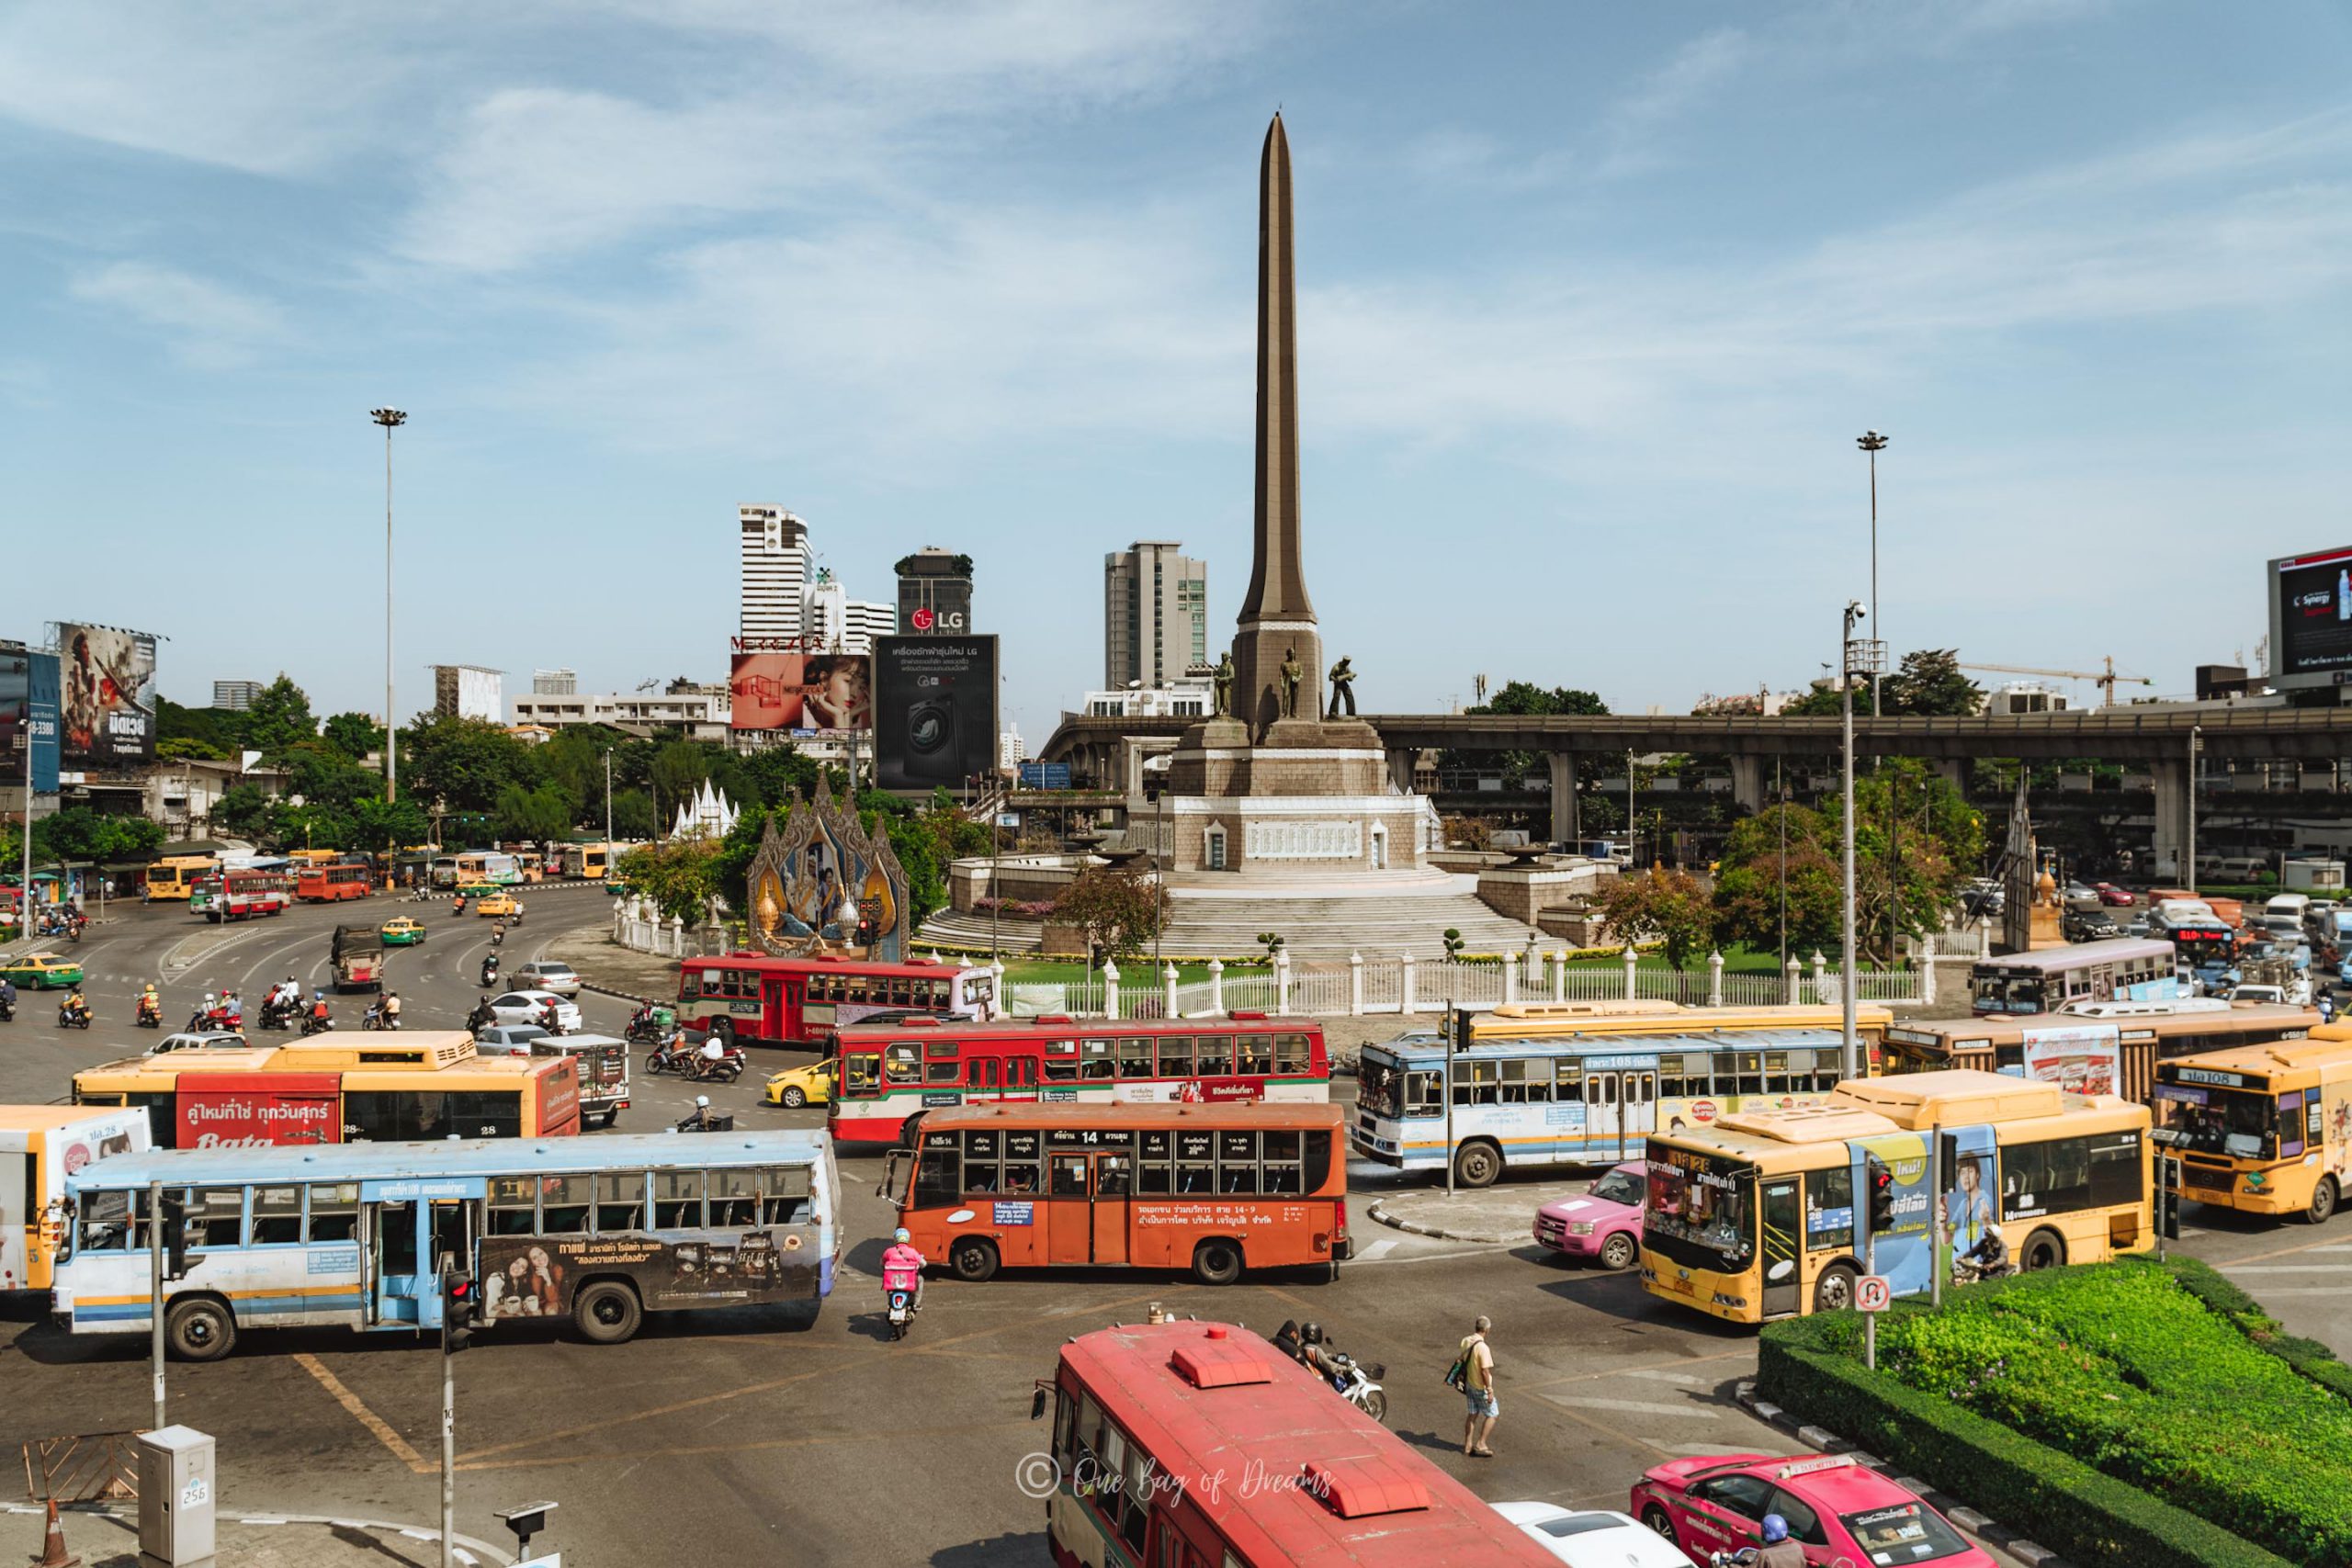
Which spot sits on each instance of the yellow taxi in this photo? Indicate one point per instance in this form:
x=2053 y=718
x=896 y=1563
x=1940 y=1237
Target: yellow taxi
x=498 y=904
x=401 y=932
x=795 y=1087
x=42 y=971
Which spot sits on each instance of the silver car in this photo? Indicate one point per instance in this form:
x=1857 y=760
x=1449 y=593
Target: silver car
x=547 y=974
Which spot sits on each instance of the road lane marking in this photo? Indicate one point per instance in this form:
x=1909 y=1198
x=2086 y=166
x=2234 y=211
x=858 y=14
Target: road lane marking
x=2287 y=1268
x=1374 y=1253
x=1639 y=1406
x=1711 y=1449
x=392 y=1440
x=1658 y=1374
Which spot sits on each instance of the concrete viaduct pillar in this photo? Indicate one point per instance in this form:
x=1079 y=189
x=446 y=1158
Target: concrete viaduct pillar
x=1748 y=783
x=2175 y=803
x=1564 y=797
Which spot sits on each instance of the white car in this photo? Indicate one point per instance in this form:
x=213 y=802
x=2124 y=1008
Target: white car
x=508 y=1039
x=547 y=974
x=201 y=1039
x=1593 y=1537
x=530 y=1007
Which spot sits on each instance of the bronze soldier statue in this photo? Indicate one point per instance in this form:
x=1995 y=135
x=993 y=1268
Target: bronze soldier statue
x=1344 y=688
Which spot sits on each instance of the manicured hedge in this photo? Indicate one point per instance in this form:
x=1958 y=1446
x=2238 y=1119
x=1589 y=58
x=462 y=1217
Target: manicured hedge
x=2309 y=1357
x=1811 y=1368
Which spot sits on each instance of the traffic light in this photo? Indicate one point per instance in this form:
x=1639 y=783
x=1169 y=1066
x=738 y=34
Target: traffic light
x=1882 y=1197
x=460 y=1310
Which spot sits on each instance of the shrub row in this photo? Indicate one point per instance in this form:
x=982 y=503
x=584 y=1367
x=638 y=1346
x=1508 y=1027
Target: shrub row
x=2225 y=1301
x=1805 y=1365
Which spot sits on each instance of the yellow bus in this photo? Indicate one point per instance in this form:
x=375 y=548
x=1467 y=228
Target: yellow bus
x=174 y=878
x=2265 y=1128
x=2099 y=1048
x=587 y=861
x=39 y=1146
x=312 y=857
x=1764 y=1214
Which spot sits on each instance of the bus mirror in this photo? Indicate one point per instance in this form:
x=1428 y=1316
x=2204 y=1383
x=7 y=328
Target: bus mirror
x=1780 y=1271
x=1038 y=1406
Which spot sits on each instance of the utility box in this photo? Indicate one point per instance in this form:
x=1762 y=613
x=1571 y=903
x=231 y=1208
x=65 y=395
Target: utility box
x=176 y=1490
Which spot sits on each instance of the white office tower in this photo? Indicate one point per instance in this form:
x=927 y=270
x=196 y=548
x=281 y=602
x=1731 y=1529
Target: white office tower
x=775 y=556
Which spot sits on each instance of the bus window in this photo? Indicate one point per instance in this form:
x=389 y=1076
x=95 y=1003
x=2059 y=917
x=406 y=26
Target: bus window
x=564 y=1205
x=1421 y=1095
x=1215 y=1056
x=514 y=1206
x=334 y=1213
x=1176 y=1056
x=1237 y=1162
x=785 y=1196
x=853 y=989
x=1134 y=1057
x=1021 y=1161
x=620 y=1200
x=105 y=1222
x=216 y=1217
x=935 y=1180
x=1279 y=1169
x=983 y=1152
x=690 y=984
x=903 y=1062
x=1153 y=1173
x=1070 y=1175
x=1829 y=1208
x=734 y=1198
x=1255 y=1057
x=943 y=1062
x=861 y=1074
x=1526 y=1083
x=1195 y=1162
x=278 y=1217
x=1319 y=1159
x=1095 y=1062
x=1294 y=1054
x=2066 y=1175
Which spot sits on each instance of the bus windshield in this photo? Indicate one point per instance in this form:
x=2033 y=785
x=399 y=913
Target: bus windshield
x=1702 y=1209
x=1377 y=1085
x=2004 y=990
x=2238 y=1121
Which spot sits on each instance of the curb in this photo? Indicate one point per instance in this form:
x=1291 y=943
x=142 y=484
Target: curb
x=1379 y=1212
x=2031 y=1553
x=461 y=1545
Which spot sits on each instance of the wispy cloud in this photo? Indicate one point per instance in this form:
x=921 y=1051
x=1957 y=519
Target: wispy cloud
x=206 y=323
x=1635 y=128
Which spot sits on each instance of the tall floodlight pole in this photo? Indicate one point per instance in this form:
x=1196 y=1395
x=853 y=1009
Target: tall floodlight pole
x=608 y=811
x=1872 y=443
x=1856 y=658
x=390 y=418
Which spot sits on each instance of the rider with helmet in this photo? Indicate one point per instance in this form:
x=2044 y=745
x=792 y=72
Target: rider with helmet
x=902 y=1265
x=1781 y=1550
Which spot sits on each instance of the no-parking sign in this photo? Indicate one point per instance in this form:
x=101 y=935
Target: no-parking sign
x=1870 y=1293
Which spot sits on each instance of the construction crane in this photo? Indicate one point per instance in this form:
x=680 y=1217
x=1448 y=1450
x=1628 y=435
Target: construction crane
x=2107 y=679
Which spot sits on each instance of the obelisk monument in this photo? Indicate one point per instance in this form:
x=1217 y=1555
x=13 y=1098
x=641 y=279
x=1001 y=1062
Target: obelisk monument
x=1277 y=621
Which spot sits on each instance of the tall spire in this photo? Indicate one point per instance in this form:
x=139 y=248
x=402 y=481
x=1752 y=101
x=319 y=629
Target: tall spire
x=1277 y=573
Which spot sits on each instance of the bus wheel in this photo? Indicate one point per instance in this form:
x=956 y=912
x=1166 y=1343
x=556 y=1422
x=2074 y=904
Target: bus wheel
x=973 y=1260
x=1618 y=1252
x=1834 y=1290
x=607 y=1312
x=2043 y=1249
x=199 y=1328
x=1217 y=1263
x=2323 y=1201
x=1477 y=1165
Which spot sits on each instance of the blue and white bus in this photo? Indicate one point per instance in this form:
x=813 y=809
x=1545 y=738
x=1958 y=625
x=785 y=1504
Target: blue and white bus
x=1535 y=1092
x=595 y=1231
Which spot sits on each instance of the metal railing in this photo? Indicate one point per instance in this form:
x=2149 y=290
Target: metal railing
x=88 y=1467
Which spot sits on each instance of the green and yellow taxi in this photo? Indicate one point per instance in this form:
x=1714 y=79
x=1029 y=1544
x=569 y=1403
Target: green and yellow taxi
x=498 y=904
x=401 y=932
x=41 y=972
x=795 y=1087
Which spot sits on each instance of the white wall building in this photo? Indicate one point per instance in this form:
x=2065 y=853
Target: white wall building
x=774 y=546
x=1180 y=699
x=1010 y=749
x=469 y=691
x=703 y=711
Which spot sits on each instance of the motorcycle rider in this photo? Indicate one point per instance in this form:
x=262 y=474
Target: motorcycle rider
x=902 y=1265
x=392 y=1009
x=550 y=1019
x=150 y=1004
x=1990 y=1256
x=701 y=1121
x=1780 y=1550
x=76 y=1008
x=498 y=934
x=481 y=1017
x=7 y=998
x=319 y=1015
x=489 y=969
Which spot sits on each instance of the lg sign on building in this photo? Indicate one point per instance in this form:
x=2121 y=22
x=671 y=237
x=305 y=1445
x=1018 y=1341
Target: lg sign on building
x=929 y=620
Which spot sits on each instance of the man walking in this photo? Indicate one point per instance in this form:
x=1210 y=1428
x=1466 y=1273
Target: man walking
x=1479 y=1388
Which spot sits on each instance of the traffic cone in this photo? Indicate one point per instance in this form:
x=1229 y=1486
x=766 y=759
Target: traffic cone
x=53 y=1552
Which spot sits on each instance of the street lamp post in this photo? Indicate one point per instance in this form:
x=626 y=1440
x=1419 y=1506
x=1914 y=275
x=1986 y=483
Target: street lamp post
x=1872 y=443
x=1856 y=658
x=390 y=418
x=608 y=811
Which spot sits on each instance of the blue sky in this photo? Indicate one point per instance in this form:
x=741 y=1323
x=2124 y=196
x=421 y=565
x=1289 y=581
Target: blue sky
x=1594 y=299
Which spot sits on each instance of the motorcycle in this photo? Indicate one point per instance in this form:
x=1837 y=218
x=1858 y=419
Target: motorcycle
x=151 y=1014
x=699 y=1122
x=676 y=1054
x=71 y=1017
x=8 y=1010
x=903 y=1295
x=1358 y=1383
x=649 y=1025
x=1739 y=1557
x=498 y=936
x=701 y=1069
x=276 y=1015
x=1969 y=1271
x=377 y=1017
x=489 y=972
x=314 y=1024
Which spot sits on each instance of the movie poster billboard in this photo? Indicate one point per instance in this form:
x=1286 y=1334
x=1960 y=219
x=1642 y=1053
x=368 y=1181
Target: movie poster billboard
x=780 y=687
x=534 y=1276
x=934 y=711
x=110 y=696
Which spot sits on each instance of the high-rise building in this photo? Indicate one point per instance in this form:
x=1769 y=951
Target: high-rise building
x=554 y=682
x=1010 y=749
x=868 y=620
x=833 y=622
x=1154 y=613
x=469 y=691
x=235 y=696
x=774 y=558
x=935 y=594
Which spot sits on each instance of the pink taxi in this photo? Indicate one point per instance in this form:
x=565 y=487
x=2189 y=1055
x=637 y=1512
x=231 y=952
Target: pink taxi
x=1605 y=1224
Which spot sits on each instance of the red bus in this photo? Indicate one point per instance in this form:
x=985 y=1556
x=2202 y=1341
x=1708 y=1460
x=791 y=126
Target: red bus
x=325 y=884
x=1197 y=1445
x=892 y=1075
x=1216 y=1189
x=241 y=894
x=752 y=998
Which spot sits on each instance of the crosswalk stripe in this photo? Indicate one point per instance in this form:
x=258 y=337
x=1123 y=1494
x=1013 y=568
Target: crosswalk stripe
x=2286 y=1268
x=1640 y=1407
x=1376 y=1252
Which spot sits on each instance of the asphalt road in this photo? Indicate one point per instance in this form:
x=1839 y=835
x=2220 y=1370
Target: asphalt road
x=753 y=1436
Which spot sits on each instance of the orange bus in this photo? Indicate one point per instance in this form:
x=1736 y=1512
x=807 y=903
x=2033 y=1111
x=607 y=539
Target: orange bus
x=412 y=1085
x=329 y=883
x=1216 y=1189
x=894 y=1075
x=1199 y=1445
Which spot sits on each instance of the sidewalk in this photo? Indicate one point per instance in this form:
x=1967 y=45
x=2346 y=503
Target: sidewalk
x=108 y=1537
x=606 y=965
x=1501 y=1215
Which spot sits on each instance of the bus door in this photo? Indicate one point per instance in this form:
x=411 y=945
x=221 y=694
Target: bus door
x=984 y=1078
x=404 y=1226
x=1783 y=1269
x=788 y=1007
x=1601 y=1124
x=1020 y=1078
x=1086 y=1209
x=1619 y=1106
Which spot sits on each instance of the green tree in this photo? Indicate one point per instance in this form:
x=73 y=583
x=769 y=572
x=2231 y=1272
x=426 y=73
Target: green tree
x=1754 y=868
x=379 y=824
x=465 y=762
x=678 y=874
x=78 y=833
x=1524 y=697
x=1928 y=682
x=352 y=735
x=180 y=746
x=776 y=773
x=633 y=817
x=536 y=815
x=1667 y=907
x=218 y=731
x=278 y=718
x=1115 y=908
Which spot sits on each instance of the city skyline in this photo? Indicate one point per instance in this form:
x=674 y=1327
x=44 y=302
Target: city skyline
x=1571 y=367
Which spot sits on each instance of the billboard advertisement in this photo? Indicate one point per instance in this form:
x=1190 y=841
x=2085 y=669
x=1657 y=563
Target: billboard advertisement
x=110 y=696
x=2311 y=619
x=808 y=693
x=934 y=711
x=28 y=707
